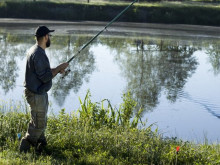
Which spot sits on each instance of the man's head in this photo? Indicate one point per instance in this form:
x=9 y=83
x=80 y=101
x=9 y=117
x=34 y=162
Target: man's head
x=42 y=34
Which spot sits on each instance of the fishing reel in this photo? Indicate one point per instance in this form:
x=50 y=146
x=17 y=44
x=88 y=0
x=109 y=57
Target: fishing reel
x=65 y=73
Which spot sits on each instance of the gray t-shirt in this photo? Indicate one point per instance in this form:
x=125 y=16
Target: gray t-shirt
x=38 y=75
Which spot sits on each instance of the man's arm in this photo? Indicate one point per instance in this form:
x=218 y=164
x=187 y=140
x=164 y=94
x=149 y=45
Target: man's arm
x=55 y=71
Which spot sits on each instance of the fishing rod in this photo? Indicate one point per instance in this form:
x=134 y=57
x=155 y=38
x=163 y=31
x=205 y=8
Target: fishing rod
x=105 y=28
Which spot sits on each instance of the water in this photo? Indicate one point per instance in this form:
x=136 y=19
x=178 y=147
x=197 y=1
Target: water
x=173 y=74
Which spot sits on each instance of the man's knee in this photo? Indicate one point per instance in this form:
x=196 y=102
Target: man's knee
x=41 y=120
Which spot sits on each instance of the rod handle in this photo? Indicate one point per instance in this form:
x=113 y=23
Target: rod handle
x=66 y=73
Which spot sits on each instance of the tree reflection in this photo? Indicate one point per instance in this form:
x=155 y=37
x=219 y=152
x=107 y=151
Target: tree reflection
x=9 y=68
x=213 y=52
x=14 y=46
x=155 y=67
x=178 y=65
x=152 y=67
x=81 y=67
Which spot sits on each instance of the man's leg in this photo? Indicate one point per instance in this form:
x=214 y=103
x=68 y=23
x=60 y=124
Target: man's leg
x=37 y=125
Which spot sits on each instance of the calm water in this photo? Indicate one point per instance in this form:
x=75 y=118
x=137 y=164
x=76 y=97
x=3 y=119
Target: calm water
x=175 y=78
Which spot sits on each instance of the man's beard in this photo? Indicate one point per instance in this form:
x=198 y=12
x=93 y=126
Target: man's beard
x=48 y=43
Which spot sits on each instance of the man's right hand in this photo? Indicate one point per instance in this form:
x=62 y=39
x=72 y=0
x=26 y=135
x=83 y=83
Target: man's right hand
x=59 y=69
x=63 y=66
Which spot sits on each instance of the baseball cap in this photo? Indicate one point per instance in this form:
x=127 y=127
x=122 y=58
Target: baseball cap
x=42 y=31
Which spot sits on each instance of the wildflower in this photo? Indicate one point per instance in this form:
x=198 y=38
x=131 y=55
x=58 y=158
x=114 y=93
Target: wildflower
x=19 y=136
x=177 y=149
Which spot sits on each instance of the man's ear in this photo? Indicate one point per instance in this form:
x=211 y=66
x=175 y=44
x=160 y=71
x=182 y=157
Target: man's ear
x=46 y=37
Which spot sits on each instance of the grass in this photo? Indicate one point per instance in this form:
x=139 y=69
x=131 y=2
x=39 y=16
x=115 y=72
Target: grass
x=100 y=134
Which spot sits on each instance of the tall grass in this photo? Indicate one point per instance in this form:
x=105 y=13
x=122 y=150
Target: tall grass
x=99 y=134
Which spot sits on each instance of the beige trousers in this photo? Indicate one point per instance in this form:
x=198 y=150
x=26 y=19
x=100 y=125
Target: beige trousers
x=39 y=107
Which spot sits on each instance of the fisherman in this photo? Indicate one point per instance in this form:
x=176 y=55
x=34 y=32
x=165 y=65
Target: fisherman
x=38 y=81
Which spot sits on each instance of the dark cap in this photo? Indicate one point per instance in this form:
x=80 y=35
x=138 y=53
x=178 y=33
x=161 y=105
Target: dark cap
x=42 y=31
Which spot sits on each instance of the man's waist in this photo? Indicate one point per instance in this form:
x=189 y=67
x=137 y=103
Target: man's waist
x=37 y=86
x=34 y=91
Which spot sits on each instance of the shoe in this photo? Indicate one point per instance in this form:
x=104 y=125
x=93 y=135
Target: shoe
x=24 y=145
x=40 y=146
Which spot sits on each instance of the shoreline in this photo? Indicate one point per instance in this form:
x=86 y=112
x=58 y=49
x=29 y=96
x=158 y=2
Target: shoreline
x=18 y=21
x=156 y=29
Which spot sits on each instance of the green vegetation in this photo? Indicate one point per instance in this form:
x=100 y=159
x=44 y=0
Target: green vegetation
x=164 y=12
x=99 y=134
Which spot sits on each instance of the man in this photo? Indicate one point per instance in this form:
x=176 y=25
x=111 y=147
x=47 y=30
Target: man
x=38 y=81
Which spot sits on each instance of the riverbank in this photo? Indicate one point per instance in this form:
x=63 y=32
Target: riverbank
x=27 y=26
x=168 y=13
x=100 y=135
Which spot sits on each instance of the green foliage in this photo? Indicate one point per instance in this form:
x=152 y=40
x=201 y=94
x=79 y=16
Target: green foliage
x=11 y=123
x=164 y=12
x=100 y=134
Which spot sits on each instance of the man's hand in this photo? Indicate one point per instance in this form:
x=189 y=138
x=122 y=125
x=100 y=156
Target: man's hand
x=60 y=69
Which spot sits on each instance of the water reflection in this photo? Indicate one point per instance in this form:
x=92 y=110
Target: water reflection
x=81 y=67
x=15 y=46
x=151 y=66
x=213 y=52
x=9 y=51
x=206 y=105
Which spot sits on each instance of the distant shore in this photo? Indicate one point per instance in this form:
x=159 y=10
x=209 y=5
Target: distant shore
x=165 y=13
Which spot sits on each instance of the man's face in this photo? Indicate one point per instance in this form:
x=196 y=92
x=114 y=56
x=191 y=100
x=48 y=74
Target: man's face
x=48 y=41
